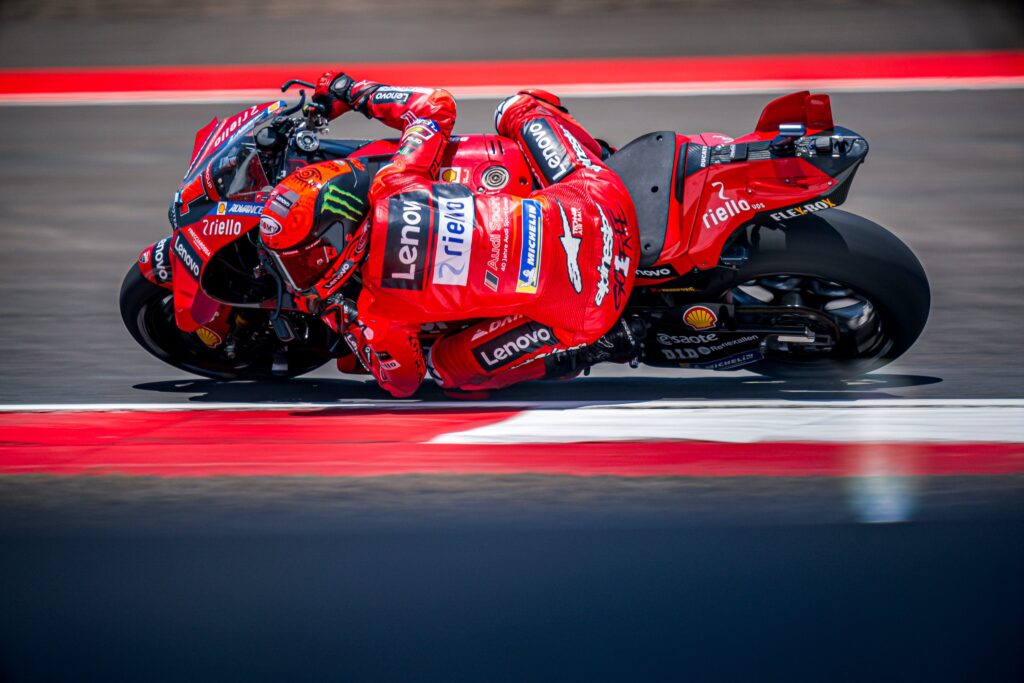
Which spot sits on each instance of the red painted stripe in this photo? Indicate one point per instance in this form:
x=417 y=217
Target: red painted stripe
x=373 y=443
x=788 y=68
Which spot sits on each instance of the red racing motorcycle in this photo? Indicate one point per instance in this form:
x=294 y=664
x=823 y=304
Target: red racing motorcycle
x=745 y=260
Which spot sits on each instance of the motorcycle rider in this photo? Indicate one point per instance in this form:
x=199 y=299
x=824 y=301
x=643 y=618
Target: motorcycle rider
x=548 y=274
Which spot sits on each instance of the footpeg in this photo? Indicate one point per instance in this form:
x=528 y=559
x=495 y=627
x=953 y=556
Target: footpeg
x=283 y=329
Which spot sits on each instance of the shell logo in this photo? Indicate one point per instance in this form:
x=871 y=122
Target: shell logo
x=700 y=317
x=208 y=337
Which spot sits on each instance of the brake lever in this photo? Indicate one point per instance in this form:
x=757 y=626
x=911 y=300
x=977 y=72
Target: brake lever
x=295 y=81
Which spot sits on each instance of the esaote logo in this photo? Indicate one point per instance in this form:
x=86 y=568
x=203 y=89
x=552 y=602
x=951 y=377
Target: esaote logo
x=700 y=317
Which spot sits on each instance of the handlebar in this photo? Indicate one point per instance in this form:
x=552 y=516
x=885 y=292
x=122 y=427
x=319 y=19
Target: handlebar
x=314 y=112
x=295 y=81
x=297 y=107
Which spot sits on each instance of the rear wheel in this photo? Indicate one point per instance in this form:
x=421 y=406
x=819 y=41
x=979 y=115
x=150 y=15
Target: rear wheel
x=148 y=312
x=860 y=293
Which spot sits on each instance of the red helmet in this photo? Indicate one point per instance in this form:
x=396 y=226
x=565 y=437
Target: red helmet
x=312 y=218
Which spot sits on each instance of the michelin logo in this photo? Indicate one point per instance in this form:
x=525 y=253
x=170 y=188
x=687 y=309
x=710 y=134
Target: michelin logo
x=530 y=249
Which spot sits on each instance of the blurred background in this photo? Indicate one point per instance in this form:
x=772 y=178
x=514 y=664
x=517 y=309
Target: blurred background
x=513 y=577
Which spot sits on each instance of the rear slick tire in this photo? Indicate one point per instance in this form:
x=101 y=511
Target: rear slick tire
x=847 y=249
x=147 y=314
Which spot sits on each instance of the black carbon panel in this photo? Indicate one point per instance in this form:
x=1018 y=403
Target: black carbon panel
x=645 y=166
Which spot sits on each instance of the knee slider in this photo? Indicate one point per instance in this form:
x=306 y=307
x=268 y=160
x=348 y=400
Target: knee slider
x=438 y=379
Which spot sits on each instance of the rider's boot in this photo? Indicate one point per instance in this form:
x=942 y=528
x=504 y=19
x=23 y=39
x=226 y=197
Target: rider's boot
x=621 y=344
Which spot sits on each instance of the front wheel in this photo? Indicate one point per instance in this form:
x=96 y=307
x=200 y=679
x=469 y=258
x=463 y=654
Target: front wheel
x=148 y=313
x=853 y=280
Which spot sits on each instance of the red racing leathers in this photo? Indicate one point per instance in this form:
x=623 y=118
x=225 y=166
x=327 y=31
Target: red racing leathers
x=546 y=273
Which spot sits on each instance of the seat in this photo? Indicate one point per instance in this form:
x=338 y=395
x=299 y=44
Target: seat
x=645 y=166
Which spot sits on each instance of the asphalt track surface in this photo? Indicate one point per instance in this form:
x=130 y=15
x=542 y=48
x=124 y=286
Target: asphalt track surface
x=507 y=577
x=87 y=187
x=520 y=577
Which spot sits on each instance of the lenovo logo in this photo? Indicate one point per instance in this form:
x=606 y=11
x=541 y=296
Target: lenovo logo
x=408 y=232
x=189 y=258
x=513 y=345
x=547 y=150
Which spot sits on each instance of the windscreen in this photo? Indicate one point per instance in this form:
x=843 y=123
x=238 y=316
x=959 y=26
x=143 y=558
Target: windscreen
x=234 y=171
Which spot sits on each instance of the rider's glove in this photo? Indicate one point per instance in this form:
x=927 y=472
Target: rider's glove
x=546 y=97
x=338 y=313
x=332 y=94
x=336 y=93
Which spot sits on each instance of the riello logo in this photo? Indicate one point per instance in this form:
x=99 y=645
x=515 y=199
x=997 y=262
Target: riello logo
x=729 y=208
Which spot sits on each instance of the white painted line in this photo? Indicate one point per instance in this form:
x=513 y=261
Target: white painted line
x=893 y=422
x=591 y=90
x=412 y=404
x=867 y=421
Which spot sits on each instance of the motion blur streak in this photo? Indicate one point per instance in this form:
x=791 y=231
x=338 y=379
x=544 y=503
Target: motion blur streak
x=604 y=77
x=698 y=442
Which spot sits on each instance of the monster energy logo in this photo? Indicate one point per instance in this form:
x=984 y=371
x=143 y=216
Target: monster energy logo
x=340 y=202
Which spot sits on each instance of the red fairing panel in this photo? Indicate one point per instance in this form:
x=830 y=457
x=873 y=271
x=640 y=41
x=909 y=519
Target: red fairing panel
x=814 y=111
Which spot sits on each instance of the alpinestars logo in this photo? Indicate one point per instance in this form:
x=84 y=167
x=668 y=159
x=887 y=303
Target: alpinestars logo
x=581 y=156
x=604 y=270
x=343 y=203
x=571 y=245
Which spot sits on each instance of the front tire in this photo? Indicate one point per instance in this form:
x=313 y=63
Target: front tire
x=862 y=257
x=148 y=314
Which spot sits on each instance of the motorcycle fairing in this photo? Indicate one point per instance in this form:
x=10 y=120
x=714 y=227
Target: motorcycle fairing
x=691 y=193
x=814 y=111
x=199 y=189
x=723 y=184
x=214 y=134
x=155 y=262
x=199 y=243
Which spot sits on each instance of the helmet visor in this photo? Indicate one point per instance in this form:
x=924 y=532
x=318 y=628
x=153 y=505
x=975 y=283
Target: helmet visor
x=303 y=267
